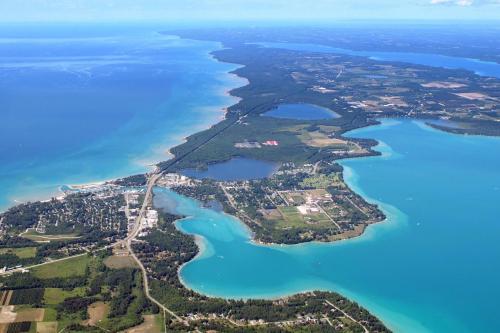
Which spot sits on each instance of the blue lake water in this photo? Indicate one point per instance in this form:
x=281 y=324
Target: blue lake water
x=301 y=111
x=434 y=266
x=92 y=103
x=237 y=168
x=479 y=67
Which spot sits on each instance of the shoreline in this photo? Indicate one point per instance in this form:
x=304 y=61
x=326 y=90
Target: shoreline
x=220 y=112
x=394 y=218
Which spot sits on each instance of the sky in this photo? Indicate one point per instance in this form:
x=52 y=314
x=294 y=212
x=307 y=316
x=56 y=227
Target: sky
x=246 y=10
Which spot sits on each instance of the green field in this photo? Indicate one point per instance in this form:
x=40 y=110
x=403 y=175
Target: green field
x=322 y=181
x=21 y=252
x=38 y=237
x=63 y=269
x=50 y=314
x=292 y=218
x=57 y=295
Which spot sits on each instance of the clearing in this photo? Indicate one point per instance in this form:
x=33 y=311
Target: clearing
x=46 y=327
x=20 y=252
x=320 y=140
x=65 y=268
x=151 y=324
x=45 y=238
x=97 y=311
x=58 y=295
x=120 y=261
x=9 y=315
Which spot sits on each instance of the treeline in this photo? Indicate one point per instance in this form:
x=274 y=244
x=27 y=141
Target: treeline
x=121 y=289
x=55 y=249
x=135 y=180
x=32 y=297
x=16 y=241
x=28 y=281
x=173 y=246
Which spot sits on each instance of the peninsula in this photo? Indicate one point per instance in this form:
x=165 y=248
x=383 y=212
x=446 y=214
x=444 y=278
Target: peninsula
x=104 y=258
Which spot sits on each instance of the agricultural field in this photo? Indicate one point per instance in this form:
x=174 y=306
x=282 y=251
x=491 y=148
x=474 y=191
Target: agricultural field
x=62 y=269
x=11 y=315
x=21 y=252
x=76 y=295
x=120 y=261
x=58 y=295
x=151 y=324
x=46 y=327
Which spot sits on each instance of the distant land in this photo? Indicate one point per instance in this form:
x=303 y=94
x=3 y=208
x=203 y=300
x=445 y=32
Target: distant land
x=112 y=255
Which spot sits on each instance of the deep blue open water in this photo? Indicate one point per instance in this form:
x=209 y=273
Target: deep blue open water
x=433 y=266
x=95 y=103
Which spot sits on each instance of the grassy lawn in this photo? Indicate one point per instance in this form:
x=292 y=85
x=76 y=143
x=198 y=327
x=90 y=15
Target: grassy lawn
x=322 y=181
x=50 y=314
x=291 y=217
x=57 y=295
x=320 y=220
x=319 y=139
x=21 y=252
x=37 y=237
x=63 y=269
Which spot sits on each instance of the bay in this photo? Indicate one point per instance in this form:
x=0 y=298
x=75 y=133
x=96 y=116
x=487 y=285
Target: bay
x=483 y=68
x=433 y=266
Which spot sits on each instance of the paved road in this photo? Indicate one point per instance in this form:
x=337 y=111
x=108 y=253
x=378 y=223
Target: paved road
x=133 y=234
x=347 y=315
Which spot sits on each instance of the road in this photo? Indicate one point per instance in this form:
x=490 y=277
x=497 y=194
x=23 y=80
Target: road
x=347 y=316
x=128 y=243
x=133 y=234
x=47 y=262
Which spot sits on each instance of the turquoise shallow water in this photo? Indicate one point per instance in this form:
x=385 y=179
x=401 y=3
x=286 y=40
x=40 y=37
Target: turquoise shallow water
x=89 y=103
x=433 y=266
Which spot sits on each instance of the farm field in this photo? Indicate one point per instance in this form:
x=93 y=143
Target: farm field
x=151 y=324
x=57 y=295
x=46 y=327
x=21 y=252
x=63 y=269
x=120 y=261
x=76 y=295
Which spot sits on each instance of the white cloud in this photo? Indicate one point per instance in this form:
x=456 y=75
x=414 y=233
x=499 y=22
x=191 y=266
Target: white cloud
x=463 y=3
